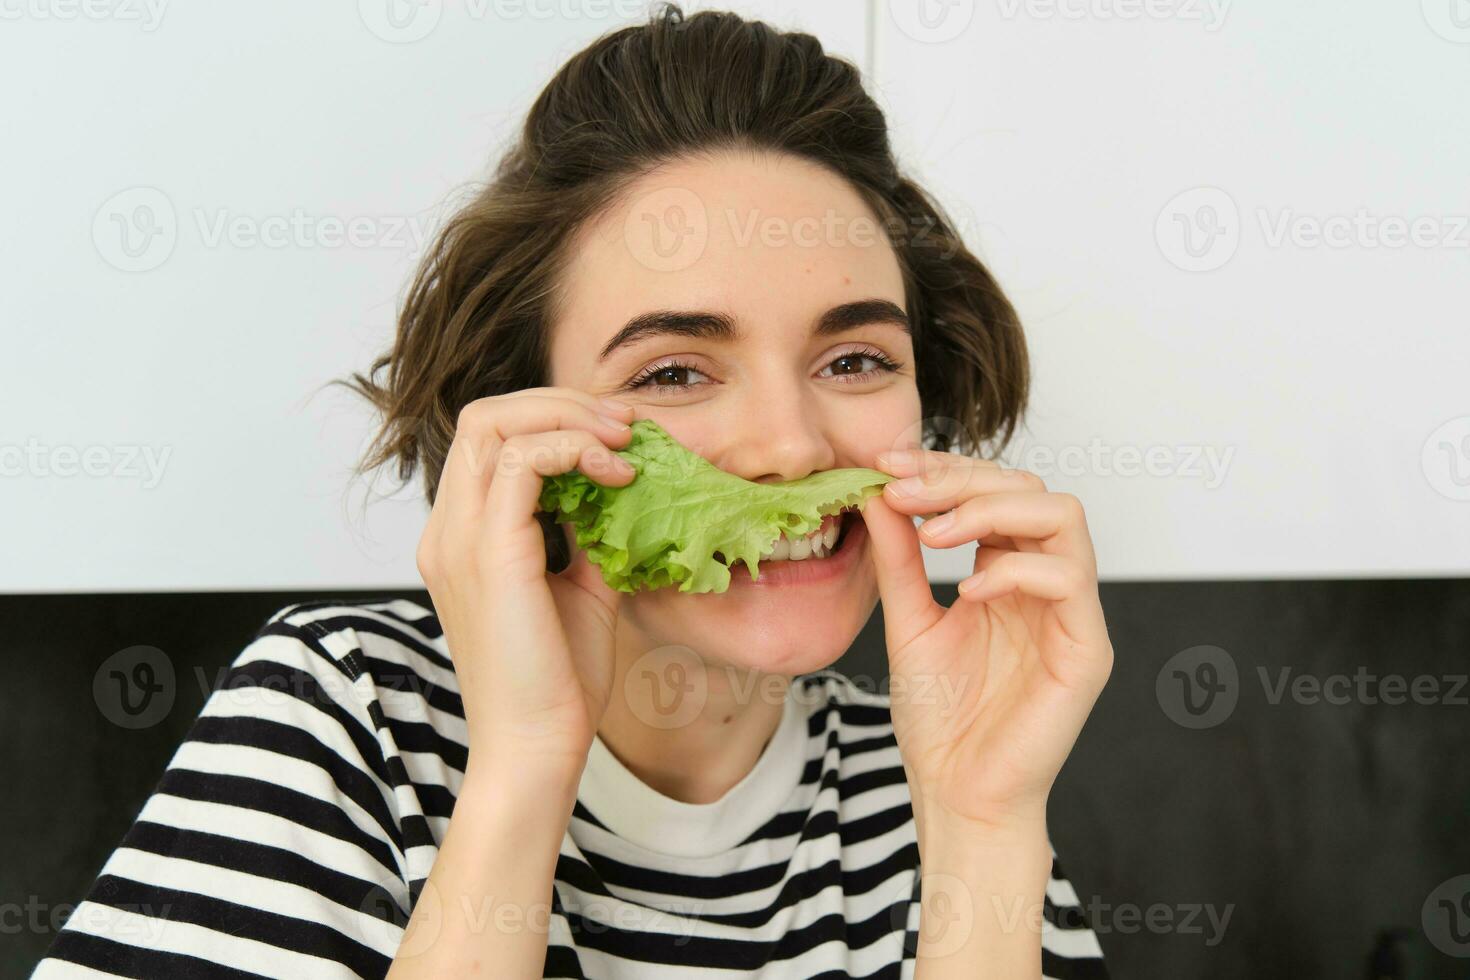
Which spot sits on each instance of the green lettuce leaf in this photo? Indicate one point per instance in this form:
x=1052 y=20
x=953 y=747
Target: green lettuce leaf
x=666 y=525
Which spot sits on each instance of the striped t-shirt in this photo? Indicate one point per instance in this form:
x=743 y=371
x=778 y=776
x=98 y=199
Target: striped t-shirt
x=292 y=830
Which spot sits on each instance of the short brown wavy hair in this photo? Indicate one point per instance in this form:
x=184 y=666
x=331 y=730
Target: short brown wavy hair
x=475 y=320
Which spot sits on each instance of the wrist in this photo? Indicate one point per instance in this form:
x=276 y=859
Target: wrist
x=1015 y=826
x=535 y=783
x=1017 y=858
x=509 y=824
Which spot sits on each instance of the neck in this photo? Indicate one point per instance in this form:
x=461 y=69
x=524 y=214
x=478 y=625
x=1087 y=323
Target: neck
x=688 y=728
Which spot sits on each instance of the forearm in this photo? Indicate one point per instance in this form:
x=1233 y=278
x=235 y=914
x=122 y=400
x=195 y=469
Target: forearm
x=486 y=907
x=981 y=901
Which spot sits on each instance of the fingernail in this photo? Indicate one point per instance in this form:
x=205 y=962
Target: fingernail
x=897 y=457
x=937 y=525
x=615 y=423
x=907 y=487
x=969 y=584
x=615 y=406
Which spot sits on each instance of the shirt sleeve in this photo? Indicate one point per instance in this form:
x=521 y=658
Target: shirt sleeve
x=272 y=844
x=1069 y=946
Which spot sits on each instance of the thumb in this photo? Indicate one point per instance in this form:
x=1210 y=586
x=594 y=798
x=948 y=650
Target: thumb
x=909 y=608
x=587 y=576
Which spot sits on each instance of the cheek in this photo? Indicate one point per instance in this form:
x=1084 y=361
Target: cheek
x=886 y=422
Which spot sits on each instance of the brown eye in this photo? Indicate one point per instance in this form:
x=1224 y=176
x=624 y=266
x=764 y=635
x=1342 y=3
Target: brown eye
x=663 y=379
x=667 y=376
x=852 y=365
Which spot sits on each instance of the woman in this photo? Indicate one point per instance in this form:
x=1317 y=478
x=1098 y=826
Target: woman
x=702 y=224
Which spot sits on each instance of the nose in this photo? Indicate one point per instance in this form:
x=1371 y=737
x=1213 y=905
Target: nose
x=775 y=438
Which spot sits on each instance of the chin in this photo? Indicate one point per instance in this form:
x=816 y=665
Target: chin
x=799 y=616
x=788 y=649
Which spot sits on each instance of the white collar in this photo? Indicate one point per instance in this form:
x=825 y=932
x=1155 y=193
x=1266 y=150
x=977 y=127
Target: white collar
x=641 y=815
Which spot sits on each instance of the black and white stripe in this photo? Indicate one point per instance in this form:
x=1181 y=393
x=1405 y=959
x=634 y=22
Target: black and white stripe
x=293 y=828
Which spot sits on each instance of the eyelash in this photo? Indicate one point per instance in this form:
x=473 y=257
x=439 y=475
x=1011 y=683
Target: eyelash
x=885 y=365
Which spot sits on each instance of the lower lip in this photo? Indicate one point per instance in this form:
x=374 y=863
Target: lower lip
x=809 y=570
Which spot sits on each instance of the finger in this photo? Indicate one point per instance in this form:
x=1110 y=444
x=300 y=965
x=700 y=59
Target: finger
x=942 y=486
x=509 y=524
x=587 y=575
x=485 y=424
x=461 y=485
x=1049 y=577
x=497 y=419
x=597 y=403
x=903 y=586
x=998 y=542
x=910 y=462
x=1055 y=520
x=1062 y=581
x=457 y=503
x=931 y=466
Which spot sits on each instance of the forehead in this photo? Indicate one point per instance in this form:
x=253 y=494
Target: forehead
x=771 y=240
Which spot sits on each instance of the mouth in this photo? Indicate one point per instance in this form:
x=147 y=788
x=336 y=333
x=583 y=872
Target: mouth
x=824 y=555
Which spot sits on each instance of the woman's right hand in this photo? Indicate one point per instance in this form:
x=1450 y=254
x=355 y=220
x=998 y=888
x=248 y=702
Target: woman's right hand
x=532 y=650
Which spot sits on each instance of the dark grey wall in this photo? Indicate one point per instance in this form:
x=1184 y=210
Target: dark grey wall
x=1315 y=827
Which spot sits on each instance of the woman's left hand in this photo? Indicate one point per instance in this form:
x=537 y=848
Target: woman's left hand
x=989 y=695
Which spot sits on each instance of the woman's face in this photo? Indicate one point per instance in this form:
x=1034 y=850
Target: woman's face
x=789 y=300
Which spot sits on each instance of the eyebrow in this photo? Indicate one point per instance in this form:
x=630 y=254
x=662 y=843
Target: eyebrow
x=720 y=326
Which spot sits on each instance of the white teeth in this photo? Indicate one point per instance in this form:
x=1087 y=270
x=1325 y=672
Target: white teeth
x=818 y=544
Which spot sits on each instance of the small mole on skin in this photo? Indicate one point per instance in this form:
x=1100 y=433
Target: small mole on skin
x=729 y=718
x=847 y=280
